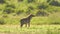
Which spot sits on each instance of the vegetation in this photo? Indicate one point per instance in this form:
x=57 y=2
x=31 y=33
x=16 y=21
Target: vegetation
x=46 y=12
x=34 y=29
x=43 y=9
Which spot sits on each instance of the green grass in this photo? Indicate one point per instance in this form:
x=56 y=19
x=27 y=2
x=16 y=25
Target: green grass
x=34 y=29
x=37 y=26
x=39 y=20
x=52 y=18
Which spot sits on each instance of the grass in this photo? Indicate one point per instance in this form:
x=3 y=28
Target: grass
x=53 y=18
x=34 y=29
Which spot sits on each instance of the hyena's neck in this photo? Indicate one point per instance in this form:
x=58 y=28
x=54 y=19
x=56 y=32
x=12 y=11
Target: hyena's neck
x=29 y=17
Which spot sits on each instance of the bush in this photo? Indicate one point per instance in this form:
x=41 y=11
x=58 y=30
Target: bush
x=41 y=13
x=42 y=6
x=20 y=0
x=54 y=3
x=30 y=8
x=48 y=0
x=55 y=23
x=30 y=1
x=12 y=6
x=2 y=1
x=8 y=11
x=28 y=12
x=19 y=12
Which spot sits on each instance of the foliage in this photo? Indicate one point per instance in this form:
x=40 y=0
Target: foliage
x=19 y=12
x=20 y=0
x=30 y=1
x=48 y=0
x=41 y=13
x=10 y=6
x=43 y=6
x=2 y=1
x=54 y=3
x=14 y=10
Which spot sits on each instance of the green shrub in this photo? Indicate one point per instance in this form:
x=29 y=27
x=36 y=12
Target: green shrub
x=2 y=1
x=28 y=11
x=8 y=11
x=30 y=8
x=48 y=0
x=20 y=0
x=55 y=3
x=10 y=6
x=41 y=13
x=55 y=23
x=42 y=6
x=19 y=12
x=30 y=1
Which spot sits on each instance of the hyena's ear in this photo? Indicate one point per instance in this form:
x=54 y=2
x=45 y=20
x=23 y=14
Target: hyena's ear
x=29 y=14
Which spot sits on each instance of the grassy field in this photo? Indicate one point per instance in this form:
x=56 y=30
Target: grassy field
x=12 y=11
x=34 y=29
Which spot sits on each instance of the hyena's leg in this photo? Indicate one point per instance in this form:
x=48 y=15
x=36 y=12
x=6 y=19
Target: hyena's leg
x=21 y=25
x=28 y=24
